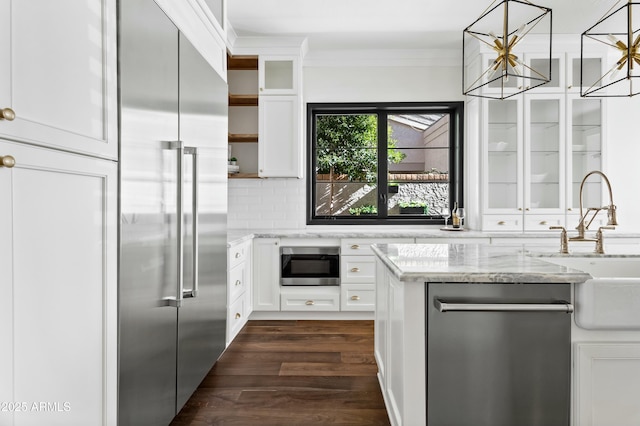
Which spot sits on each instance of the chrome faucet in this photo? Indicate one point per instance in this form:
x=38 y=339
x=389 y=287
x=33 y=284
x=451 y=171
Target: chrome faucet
x=583 y=225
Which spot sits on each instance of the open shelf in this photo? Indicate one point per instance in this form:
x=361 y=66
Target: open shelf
x=242 y=62
x=243 y=114
x=243 y=100
x=243 y=138
x=243 y=176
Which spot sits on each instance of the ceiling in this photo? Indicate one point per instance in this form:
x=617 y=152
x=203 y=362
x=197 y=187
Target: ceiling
x=397 y=24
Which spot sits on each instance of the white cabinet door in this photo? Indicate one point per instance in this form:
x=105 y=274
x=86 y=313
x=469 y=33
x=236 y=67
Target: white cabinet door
x=58 y=310
x=266 y=274
x=280 y=142
x=524 y=162
x=58 y=67
x=278 y=75
x=585 y=133
x=607 y=384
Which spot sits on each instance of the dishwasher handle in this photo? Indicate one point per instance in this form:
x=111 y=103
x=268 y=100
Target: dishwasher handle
x=444 y=306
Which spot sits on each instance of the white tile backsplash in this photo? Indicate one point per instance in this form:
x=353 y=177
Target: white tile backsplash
x=266 y=204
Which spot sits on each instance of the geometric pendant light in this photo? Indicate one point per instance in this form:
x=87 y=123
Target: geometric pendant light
x=502 y=28
x=622 y=67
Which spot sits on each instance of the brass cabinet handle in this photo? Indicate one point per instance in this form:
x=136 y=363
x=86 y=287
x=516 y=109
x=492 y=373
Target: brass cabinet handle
x=309 y=303
x=238 y=316
x=355 y=269
x=355 y=247
x=238 y=282
x=7 y=114
x=544 y=222
x=502 y=222
x=7 y=161
x=569 y=209
x=355 y=297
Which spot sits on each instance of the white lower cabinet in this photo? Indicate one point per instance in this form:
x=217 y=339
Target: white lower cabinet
x=358 y=272
x=58 y=310
x=310 y=299
x=238 y=288
x=607 y=384
x=357 y=297
x=400 y=347
x=236 y=318
x=266 y=274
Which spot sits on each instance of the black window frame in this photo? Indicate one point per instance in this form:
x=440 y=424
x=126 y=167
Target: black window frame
x=383 y=110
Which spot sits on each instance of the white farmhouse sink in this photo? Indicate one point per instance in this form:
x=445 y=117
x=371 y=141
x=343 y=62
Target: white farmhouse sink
x=611 y=299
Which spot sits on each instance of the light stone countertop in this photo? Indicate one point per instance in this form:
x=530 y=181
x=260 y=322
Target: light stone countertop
x=472 y=263
x=237 y=236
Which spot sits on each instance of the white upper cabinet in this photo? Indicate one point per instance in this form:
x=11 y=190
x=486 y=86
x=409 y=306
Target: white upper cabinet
x=524 y=156
x=589 y=71
x=535 y=147
x=280 y=147
x=58 y=67
x=278 y=75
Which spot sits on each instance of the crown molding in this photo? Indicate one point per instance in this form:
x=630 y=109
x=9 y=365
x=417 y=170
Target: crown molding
x=384 y=58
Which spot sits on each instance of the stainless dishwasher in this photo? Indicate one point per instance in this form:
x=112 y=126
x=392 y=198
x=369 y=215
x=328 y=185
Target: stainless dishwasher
x=498 y=354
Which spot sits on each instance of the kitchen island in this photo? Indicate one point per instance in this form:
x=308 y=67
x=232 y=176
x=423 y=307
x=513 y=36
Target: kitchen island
x=406 y=272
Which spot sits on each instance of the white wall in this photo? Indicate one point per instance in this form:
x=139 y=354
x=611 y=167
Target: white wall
x=622 y=160
x=280 y=203
x=270 y=204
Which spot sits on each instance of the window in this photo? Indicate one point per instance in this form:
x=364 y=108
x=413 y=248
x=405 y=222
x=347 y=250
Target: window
x=383 y=163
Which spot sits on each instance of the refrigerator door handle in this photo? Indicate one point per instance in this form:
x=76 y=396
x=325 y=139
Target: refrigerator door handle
x=444 y=306
x=177 y=300
x=193 y=292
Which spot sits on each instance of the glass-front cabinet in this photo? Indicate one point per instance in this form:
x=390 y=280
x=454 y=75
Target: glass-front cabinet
x=535 y=147
x=278 y=75
x=525 y=156
x=584 y=136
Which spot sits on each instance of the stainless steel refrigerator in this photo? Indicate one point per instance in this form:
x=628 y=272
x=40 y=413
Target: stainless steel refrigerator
x=173 y=205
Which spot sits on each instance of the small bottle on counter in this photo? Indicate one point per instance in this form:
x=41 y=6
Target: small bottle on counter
x=455 y=218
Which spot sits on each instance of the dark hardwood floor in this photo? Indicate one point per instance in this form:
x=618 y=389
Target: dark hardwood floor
x=289 y=373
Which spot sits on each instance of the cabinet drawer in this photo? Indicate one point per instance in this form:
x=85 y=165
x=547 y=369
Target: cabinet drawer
x=362 y=246
x=542 y=222
x=310 y=300
x=357 y=269
x=238 y=253
x=237 y=281
x=236 y=317
x=502 y=223
x=357 y=297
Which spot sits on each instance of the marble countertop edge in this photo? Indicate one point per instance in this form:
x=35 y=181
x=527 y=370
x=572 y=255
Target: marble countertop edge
x=470 y=263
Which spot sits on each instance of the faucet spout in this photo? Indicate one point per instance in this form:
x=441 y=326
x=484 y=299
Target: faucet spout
x=612 y=219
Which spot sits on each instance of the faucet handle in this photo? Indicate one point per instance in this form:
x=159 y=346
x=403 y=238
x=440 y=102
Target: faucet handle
x=599 y=242
x=564 y=243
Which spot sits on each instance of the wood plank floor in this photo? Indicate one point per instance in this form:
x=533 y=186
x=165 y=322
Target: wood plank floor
x=288 y=373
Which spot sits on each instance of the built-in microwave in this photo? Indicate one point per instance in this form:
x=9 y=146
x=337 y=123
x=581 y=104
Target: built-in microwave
x=309 y=266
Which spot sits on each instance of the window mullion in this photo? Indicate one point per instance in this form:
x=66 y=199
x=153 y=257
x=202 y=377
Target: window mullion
x=382 y=164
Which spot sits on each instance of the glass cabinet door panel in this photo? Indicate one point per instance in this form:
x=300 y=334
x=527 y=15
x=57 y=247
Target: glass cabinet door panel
x=586 y=149
x=277 y=75
x=544 y=154
x=503 y=157
x=589 y=73
x=541 y=66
